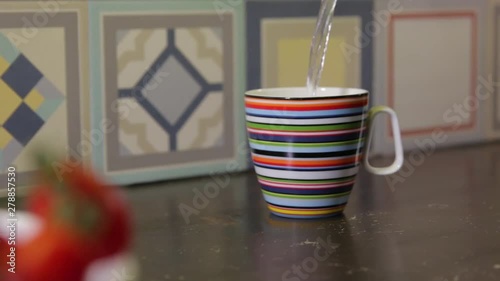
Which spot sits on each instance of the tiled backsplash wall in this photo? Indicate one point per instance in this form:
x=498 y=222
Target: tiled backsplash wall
x=44 y=86
x=170 y=77
x=153 y=90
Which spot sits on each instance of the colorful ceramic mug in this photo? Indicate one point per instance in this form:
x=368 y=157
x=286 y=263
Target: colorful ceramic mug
x=307 y=149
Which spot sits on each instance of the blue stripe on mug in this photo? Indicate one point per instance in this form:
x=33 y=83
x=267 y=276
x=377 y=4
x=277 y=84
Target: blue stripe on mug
x=306 y=139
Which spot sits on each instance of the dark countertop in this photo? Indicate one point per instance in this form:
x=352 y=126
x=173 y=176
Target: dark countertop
x=441 y=223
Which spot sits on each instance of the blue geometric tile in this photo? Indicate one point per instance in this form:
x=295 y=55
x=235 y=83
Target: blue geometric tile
x=23 y=124
x=29 y=61
x=22 y=76
x=189 y=39
x=171 y=104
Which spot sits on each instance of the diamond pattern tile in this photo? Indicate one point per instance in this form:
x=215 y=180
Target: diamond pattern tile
x=22 y=76
x=23 y=124
x=45 y=81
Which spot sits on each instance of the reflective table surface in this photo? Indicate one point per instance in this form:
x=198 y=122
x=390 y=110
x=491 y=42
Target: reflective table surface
x=436 y=220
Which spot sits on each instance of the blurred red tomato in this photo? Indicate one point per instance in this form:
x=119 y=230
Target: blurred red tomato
x=83 y=219
x=53 y=255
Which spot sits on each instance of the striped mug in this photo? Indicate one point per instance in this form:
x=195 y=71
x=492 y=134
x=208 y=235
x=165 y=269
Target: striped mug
x=306 y=149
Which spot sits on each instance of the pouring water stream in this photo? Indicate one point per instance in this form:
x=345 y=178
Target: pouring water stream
x=319 y=44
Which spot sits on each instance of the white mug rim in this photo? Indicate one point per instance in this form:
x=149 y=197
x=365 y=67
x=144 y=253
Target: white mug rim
x=302 y=93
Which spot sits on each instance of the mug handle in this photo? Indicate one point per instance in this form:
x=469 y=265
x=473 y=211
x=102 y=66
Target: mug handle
x=398 y=146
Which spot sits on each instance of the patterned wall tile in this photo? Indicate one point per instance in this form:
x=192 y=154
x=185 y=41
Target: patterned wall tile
x=430 y=85
x=172 y=78
x=279 y=37
x=40 y=82
x=419 y=42
x=284 y=39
